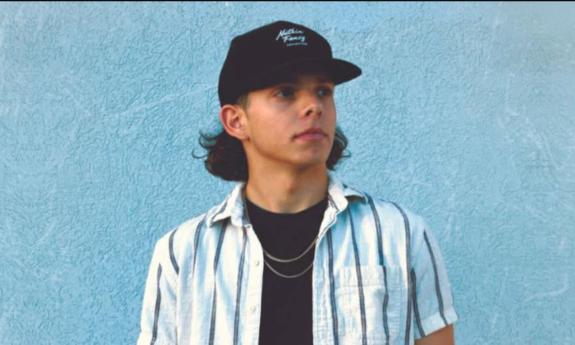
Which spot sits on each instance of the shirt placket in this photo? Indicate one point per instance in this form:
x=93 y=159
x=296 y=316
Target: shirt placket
x=320 y=296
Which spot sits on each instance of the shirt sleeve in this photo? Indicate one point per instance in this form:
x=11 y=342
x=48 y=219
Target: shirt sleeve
x=158 y=318
x=432 y=298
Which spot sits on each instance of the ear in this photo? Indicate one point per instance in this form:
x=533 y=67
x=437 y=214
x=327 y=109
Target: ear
x=233 y=119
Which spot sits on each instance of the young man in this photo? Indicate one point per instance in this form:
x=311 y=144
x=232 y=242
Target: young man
x=292 y=255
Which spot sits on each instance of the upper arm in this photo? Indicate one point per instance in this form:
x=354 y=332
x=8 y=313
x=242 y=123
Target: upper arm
x=158 y=318
x=433 y=308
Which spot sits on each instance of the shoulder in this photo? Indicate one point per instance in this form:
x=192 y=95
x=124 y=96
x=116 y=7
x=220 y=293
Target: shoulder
x=360 y=198
x=402 y=225
x=412 y=225
x=388 y=213
x=182 y=231
x=178 y=242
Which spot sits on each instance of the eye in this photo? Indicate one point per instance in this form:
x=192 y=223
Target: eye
x=324 y=91
x=285 y=92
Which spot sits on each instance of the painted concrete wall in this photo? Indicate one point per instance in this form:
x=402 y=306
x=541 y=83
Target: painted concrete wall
x=465 y=113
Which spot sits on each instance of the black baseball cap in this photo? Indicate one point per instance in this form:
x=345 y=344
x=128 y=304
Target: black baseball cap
x=262 y=57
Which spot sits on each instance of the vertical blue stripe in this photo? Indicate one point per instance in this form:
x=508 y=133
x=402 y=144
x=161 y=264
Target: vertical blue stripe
x=239 y=288
x=157 y=309
x=381 y=263
x=378 y=229
x=359 y=281
x=172 y=256
x=408 y=264
x=214 y=300
x=213 y=319
x=385 y=304
x=408 y=322
x=437 y=287
x=415 y=306
x=196 y=240
x=332 y=290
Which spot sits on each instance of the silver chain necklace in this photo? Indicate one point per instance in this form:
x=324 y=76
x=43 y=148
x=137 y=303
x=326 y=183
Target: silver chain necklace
x=276 y=259
x=292 y=259
x=288 y=276
x=292 y=276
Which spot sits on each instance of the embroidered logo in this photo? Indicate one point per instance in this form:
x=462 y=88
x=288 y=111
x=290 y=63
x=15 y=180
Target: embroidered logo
x=292 y=37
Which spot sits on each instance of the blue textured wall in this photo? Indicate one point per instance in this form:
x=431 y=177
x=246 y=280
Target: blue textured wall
x=465 y=114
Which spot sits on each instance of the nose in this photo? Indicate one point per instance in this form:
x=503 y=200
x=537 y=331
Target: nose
x=312 y=106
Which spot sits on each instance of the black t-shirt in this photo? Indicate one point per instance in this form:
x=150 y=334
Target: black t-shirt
x=287 y=303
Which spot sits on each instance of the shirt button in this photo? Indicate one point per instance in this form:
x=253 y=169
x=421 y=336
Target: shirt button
x=258 y=263
x=253 y=309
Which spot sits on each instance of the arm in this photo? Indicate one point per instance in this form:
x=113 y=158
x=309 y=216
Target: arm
x=443 y=336
x=433 y=308
x=158 y=318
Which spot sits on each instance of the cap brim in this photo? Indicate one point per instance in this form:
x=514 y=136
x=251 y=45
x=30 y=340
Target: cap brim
x=339 y=71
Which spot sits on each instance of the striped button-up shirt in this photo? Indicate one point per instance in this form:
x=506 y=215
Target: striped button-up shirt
x=378 y=276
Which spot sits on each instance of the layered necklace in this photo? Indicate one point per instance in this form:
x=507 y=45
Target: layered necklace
x=276 y=259
x=270 y=257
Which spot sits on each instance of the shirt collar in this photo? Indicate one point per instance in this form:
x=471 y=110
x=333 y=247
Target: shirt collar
x=233 y=205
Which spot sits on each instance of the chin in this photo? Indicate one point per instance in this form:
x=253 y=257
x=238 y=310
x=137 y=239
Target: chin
x=312 y=162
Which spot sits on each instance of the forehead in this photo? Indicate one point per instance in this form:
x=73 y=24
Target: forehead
x=301 y=77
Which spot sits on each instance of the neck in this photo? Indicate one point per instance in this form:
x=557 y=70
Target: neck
x=287 y=191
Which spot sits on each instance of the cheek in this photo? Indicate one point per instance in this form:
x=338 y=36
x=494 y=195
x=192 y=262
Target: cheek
x=329 y=107
x=331 y=116
x=270 y=130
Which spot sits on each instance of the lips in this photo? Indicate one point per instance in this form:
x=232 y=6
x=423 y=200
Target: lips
x=311 y=132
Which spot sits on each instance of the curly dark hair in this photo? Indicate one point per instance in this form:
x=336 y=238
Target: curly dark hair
x=226 y=158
